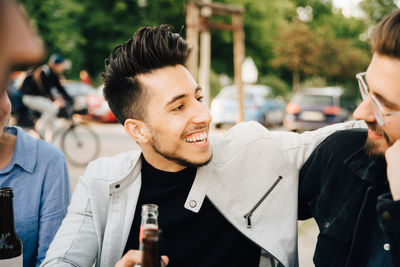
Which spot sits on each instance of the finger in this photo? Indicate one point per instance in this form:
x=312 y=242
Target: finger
x=165 y=260
x=132 y=257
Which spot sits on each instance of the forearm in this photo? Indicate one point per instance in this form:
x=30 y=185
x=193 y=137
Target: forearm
x=75 y=243
x=298 y=147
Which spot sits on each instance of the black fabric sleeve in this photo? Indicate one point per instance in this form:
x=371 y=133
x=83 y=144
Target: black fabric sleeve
x=389 y=221
x=46 y=90
x=62 y=91
x=309 y=182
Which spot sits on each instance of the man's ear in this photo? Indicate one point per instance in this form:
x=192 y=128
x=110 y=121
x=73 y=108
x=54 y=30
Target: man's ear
x=137 y=130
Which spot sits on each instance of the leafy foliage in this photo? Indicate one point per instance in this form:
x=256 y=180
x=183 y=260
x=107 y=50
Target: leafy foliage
x=284 y=48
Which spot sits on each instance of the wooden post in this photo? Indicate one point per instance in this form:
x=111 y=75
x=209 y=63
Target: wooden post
x=192 y=36
x=199 y=21
x=238 y=57
x=205 y=56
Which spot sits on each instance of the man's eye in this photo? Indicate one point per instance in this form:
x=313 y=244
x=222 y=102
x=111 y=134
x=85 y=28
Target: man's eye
x=200 y=98
x=179 y=108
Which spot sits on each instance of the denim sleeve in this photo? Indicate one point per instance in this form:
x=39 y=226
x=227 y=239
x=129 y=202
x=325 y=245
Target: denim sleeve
x=54 y=202
x=389 y=221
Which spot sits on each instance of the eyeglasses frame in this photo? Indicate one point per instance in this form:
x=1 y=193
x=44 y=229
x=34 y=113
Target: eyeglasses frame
x=365 y=92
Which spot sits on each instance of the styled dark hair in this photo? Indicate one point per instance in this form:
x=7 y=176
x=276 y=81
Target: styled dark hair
x=386 y=36
x=149 y=49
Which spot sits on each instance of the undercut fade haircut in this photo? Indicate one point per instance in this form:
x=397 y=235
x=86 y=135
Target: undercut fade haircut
x=149 y=49
x=386 y=36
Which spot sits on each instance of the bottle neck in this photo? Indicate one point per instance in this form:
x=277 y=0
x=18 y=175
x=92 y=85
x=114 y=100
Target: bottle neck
x=7 y=215
x=151 y=252
x=149 y=221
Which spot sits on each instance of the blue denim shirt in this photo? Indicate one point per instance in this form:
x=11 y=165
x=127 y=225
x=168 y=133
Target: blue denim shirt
x=39 y=178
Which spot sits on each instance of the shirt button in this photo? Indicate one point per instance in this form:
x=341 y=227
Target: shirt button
x=326 y=225
x=386 y=247
x=386 y=215
x=192 y=203
x=117 y=186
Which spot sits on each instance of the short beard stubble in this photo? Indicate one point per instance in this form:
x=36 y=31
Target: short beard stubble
x=171 y=155
x=371 y=146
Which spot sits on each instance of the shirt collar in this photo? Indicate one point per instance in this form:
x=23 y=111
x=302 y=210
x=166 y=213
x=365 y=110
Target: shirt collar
x=371 y=170
x=25 y=151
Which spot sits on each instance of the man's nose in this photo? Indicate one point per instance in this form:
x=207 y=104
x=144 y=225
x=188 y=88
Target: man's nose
x=364 y=111
x=202 y=114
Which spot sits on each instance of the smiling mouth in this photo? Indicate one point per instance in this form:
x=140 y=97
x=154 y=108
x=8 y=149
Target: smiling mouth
x=374 y=135
x=197 y=138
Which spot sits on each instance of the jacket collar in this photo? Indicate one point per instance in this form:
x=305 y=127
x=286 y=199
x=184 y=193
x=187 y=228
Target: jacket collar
x=25 y=151
x=370 y=170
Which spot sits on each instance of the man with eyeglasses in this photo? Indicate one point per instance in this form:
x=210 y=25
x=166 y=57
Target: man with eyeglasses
x=351 y=182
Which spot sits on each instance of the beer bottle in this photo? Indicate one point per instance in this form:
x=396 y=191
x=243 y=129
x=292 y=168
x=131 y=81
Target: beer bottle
x=151 y=252
x=149 y=220
x=10 y=244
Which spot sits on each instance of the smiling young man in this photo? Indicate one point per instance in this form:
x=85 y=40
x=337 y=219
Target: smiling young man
x=347 y=185
x=220 y=199
x=173 y=132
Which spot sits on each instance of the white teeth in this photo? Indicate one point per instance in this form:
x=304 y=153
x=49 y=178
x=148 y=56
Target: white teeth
x=200 y=138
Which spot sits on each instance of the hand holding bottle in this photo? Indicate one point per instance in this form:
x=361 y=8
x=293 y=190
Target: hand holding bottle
x=133 y=257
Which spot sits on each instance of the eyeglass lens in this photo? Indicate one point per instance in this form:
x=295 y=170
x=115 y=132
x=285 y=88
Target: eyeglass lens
x=375 y=109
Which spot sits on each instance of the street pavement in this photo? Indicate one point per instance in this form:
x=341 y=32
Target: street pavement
x=114 y=140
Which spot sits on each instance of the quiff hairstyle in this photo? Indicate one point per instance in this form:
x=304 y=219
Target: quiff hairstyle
x=386 y=36
x=149 y=49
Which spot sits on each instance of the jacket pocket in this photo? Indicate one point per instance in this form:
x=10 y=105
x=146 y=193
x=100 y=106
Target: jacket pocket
x=248 y=215
x=333 y=241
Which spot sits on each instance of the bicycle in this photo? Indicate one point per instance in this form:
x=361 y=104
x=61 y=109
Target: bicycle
x=79 y=143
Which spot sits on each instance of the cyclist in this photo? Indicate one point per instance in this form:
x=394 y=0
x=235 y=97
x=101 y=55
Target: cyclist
x=44 y=93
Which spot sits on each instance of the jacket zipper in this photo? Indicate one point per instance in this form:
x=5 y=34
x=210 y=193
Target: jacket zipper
x=262 y=248
x=250 y=213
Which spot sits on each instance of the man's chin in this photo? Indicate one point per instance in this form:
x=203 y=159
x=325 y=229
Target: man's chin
x=184 y=161
x=375 y=149
x=195 y=164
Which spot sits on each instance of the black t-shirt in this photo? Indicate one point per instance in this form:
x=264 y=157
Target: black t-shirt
x=191 y=239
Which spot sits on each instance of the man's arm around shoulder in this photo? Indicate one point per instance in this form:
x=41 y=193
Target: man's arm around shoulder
x=298 y=147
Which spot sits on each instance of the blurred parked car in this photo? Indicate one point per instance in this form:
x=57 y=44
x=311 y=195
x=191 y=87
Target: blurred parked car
x=97 y=106
x=259 y=105
x=313 y=108
x=79 y=92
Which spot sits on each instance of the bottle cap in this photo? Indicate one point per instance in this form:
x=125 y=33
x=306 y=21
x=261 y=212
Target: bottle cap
x=6 y=192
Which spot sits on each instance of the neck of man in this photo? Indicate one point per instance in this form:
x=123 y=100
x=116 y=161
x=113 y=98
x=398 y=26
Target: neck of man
x=159 y=162
x=7 y=145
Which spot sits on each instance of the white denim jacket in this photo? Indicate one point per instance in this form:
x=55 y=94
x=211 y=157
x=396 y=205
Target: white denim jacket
x=253 y=172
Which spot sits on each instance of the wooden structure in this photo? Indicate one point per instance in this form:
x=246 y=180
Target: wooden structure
x=198 y=20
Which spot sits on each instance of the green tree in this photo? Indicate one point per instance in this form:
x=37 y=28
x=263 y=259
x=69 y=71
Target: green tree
x=375 y=10
x=113 y=22
x=296 y=49
x=56 y=22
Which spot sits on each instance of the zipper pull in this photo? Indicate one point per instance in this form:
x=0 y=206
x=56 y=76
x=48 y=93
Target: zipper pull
x=248 y=217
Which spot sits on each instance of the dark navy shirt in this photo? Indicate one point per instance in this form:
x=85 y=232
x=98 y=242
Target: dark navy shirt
x=378 y=255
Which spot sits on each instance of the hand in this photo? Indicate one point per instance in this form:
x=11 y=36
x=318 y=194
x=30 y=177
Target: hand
x=59 y=102
x=392 y=156
x=133 y=257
